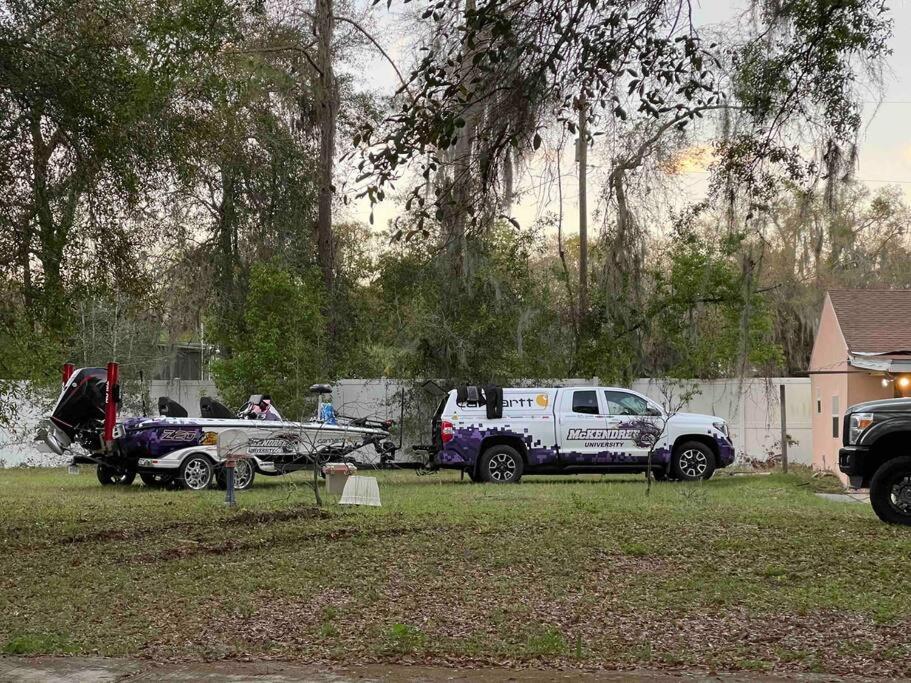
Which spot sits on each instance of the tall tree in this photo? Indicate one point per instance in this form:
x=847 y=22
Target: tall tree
x=324 y=27
x=85 y=99
x=772 y=91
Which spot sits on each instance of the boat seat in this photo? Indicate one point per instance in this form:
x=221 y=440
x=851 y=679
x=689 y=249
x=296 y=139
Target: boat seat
x=209 y=407
x=170 y=408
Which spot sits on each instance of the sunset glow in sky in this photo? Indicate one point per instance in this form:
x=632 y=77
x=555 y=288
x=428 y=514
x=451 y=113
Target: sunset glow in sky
x=884 y=141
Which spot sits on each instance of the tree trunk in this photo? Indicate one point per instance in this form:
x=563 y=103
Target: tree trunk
x=227 y=222
x=228 y=299
x=460 y=179
x=50 y=251
x=24 y=235
x=583 y=209
x=328 y=111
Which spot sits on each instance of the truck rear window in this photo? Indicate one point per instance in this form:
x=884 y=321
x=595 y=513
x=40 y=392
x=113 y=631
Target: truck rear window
x=585 y=402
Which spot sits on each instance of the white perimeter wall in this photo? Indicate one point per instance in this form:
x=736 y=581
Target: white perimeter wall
x=750 y=407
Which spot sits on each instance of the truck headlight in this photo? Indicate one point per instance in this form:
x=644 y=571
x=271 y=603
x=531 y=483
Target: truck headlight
x=857 y=424
x=721 y=427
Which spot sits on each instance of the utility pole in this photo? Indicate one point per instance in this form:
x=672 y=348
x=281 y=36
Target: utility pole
x=582 y=157
x=784 y=429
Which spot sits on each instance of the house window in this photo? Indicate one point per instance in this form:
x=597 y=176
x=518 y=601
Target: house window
x=818 y=404
x=836 y=416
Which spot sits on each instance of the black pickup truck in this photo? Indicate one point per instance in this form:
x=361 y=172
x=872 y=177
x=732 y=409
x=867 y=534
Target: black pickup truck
x=877 y=454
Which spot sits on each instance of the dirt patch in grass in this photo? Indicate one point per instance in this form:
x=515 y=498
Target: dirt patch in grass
x=334 y=629
x=241 y=518
x=188 y=548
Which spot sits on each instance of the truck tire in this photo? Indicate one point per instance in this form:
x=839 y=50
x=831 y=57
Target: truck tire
x=890 y=491
x=692 y=461
x=109 y=476
x=501 y=465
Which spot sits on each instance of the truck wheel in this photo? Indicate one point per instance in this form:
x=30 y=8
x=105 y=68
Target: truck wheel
x=196 y=472
x=693 y=461
x=109 y=476
x=501 y=465
x=890 y=491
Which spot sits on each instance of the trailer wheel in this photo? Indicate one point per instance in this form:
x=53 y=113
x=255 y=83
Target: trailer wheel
x=110 y=476
x=693 y=461
x=244 y=473
x=501 y=465
x=155 y=480
x=196 y=472
x=890 y=491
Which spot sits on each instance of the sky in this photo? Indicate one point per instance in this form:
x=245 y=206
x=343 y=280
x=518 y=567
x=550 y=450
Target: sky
x=884 y=140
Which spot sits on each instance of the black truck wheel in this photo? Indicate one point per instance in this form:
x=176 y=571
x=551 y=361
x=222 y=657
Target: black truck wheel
x=501 y=465
x=692 y=461
x=890 y=491
x=109 y=476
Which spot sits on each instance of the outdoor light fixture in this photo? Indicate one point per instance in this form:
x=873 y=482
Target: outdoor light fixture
x=886 y=381
x=904 y=381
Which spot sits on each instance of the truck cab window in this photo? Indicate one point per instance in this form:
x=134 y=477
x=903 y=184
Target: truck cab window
x=622 y=403
x=585 y=402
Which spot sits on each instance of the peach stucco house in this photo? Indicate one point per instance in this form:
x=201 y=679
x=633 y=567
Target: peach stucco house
x=862 y=352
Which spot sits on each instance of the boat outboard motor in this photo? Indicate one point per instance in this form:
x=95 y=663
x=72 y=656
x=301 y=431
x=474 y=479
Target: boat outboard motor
x=79 y=412
x=170 y=408
x=210 y=408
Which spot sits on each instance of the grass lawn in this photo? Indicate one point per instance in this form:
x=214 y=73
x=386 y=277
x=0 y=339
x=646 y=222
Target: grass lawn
x=732 y=574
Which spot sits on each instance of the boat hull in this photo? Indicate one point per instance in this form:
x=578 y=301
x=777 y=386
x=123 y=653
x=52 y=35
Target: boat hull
x=266 y=440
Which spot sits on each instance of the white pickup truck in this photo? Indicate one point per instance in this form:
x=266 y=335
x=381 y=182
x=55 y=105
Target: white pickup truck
x=497 y=435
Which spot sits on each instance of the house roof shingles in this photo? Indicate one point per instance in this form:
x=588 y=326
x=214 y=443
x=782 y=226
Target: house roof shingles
x=874 y=320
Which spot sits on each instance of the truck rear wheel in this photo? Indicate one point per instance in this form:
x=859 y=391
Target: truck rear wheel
x=692 y=461
x=501 y=465
x=890 y=491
